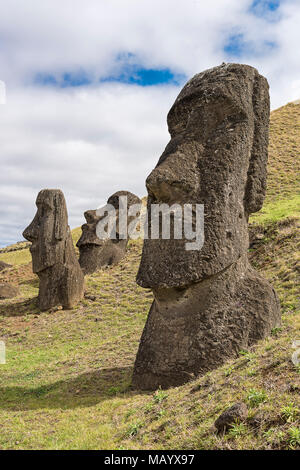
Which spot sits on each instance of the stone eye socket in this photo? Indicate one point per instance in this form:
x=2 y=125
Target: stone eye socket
x=179 y=114
x=43 y=209
x=214 y=108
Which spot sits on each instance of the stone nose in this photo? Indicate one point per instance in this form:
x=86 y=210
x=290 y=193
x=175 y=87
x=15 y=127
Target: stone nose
x=31 y=232
x=166 y=186
x=91 y=216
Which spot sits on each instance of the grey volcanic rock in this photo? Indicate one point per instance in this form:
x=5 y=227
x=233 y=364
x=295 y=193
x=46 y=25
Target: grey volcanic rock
x=209 y=303
x=96 y=253
x=53 y=255
x=7 y=291
x=236 y=413
x=4 y=266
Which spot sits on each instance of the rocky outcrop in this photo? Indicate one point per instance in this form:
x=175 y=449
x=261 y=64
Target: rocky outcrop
x=237 y=413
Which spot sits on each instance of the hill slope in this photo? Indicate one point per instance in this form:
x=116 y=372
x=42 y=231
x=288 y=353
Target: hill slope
x=66 y=384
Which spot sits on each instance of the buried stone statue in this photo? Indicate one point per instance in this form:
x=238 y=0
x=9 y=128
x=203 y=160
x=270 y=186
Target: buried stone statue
x=210 y=303
x=96 y=252
x=53 y=255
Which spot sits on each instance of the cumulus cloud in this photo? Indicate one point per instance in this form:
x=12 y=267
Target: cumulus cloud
x=89 y=142
x=102 y=136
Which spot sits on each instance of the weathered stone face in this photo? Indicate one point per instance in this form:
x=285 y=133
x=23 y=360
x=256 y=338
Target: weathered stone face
x=208 y=304
x=48 y=230
x=95 y=252
x=217 y=156
x=53 y=254
x=89 y=236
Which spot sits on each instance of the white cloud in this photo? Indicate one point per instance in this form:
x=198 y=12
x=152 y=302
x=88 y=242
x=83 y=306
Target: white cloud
x=92 y=141
x=88 y=143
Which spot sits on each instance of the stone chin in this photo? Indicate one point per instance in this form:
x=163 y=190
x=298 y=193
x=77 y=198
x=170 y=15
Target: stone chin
x=89 y=240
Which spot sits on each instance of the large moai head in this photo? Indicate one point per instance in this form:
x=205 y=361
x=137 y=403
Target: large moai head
x=217 y=156
x=97 y=252
x=49 y=230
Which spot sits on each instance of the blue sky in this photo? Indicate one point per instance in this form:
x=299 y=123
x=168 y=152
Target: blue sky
x=236 y=45
x=135 y=74
x=263 y=8
x=89 y=86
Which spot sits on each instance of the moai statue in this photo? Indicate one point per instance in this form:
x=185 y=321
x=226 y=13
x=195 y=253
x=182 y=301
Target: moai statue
x=53 y=255
x=96 y=253
x=209 y=304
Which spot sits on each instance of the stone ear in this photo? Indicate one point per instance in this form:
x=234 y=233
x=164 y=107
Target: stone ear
x=257 y=170
x=60 y=218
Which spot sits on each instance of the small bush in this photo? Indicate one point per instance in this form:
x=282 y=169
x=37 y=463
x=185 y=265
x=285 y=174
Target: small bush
x=294 y=436
x=289 y=413
x=159 y=396
x=133 y=429
x=255 y=397
x=237 y=429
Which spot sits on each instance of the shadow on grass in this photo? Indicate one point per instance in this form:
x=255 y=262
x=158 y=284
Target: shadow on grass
x=82 y=391
x=15 y=308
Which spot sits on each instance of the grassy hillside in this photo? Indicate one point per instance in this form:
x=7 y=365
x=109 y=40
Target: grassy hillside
x=284 y=152
x=283 y=189
x=66 y=384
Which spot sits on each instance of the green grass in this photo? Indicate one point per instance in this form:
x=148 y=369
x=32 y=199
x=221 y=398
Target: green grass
x=278 y=210
x=284 y=162
x=76 y=234
x=66 y=384
x=16 y=257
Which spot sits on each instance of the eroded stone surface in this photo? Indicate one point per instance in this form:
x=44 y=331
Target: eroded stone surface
x=96 y=253
x=209 y=304
x=53 y=255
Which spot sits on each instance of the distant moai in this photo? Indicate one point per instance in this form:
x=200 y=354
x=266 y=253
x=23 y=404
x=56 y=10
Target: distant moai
x=209 y=304
x=53 y=255
x=96 y=253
